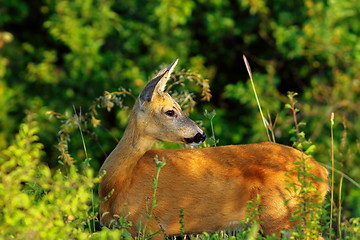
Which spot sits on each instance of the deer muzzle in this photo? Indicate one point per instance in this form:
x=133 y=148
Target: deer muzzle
x=197 y=139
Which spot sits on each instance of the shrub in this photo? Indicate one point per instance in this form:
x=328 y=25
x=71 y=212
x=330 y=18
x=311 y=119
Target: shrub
x=39 y=203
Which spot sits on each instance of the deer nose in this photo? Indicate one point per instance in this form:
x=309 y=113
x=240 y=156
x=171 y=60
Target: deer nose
x=200 y=137
x=197 y=139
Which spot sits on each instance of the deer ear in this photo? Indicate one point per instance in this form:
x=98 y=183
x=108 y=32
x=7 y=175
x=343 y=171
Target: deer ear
x=157 y=84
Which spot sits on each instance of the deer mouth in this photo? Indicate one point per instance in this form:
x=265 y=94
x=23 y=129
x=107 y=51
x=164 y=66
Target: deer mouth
x=197 y=139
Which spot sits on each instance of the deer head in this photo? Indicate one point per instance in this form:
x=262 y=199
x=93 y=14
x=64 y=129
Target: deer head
x=161 y=116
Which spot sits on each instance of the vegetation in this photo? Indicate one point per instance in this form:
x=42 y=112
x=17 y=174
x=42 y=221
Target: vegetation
x=70 y=70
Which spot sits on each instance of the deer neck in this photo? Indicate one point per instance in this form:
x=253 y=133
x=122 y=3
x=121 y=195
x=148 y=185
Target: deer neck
x=133 y=144
x=121 y=162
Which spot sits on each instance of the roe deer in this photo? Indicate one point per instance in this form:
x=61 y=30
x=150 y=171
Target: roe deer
x=211 y=185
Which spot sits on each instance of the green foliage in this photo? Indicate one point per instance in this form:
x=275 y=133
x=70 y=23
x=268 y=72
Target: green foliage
x=353 y=229
x=251 y=225
x=182 y=223
x=37 y=203
x=212 y=140
x=145 y=232
x=57 y=57
x=308 y=212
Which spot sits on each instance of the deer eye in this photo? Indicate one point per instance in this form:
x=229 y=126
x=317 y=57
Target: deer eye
x=170 y=113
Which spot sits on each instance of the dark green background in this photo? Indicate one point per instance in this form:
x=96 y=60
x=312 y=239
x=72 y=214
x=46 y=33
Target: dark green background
x=62 y=55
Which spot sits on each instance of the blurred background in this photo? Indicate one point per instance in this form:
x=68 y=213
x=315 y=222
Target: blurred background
x=90 y=58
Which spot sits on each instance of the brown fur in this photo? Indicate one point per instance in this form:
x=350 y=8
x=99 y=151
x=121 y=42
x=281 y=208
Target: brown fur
x=212 y=185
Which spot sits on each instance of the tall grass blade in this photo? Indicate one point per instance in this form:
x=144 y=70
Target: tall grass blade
x=78 y=122
x=340 y=206
x=256 y=97
x=87 y=164
x=347 y=177
x=332 y=172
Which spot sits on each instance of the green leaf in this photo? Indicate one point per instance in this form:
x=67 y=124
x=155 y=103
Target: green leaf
x=311 y=149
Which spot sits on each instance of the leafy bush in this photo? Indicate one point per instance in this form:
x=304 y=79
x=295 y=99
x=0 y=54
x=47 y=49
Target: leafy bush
x=37 y=203
x=59 y=56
